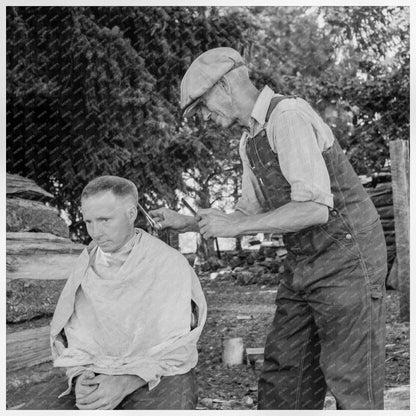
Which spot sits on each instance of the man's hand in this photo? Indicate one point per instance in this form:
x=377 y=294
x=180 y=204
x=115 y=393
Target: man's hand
x=82 y=390
x=215 y=223
x=171 y=219
x=110 y=391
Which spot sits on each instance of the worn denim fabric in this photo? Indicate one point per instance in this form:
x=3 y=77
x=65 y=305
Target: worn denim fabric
x=329 y=326
x=178 y=392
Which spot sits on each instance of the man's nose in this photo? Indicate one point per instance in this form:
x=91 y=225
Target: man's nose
x=95 y=231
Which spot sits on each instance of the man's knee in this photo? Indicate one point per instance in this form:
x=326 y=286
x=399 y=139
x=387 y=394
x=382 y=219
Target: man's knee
x=178 y=392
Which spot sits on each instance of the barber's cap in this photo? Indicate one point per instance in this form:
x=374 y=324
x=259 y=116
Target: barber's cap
x=204 y=72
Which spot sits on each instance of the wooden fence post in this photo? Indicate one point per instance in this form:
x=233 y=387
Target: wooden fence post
x=399 y=155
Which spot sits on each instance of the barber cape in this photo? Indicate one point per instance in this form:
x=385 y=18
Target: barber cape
x=140 y=318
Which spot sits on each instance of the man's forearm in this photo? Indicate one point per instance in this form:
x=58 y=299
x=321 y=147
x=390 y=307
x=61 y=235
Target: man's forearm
x=132 y=382
x=291 y=217
x=190 y=224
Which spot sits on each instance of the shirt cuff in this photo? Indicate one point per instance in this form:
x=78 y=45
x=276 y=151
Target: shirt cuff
x=153 y=383
x=150 y=376
x=302 y=193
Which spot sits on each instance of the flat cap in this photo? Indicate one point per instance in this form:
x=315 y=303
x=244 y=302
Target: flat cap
x=204 y=72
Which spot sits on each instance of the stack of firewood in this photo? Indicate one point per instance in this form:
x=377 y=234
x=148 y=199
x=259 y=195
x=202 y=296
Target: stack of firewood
x=39 y=258
x=382 y=197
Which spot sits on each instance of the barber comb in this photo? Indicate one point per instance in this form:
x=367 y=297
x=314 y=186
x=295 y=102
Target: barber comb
x=154 y=224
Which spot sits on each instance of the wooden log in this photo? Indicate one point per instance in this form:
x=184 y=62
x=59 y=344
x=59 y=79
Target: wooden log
x=392 y=279
x=399 y=154
x=387 y=224
x=390 y=239
x=380 y=188
x=391 y=254
x=38 y=390
x=397 y=398
x=232 y=351
x=30 y=243
x=27 y=348
x=386 y=212
x=19 y=186
x=27 y=299
x=381 y=197
x=254 y=355
x=25 y=215
x=42 y=266
x=384 y=185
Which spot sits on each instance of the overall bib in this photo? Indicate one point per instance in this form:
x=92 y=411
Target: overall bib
x=329 y=326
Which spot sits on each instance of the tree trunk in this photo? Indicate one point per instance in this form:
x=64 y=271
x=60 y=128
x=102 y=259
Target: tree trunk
x=399 y=154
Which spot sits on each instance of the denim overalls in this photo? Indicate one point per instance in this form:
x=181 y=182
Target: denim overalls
x=329 y=326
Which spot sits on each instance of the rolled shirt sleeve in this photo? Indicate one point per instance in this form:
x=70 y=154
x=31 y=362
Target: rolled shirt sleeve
x=293 y=137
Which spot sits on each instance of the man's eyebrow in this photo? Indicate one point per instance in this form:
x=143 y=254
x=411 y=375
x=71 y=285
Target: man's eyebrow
x=102 y=217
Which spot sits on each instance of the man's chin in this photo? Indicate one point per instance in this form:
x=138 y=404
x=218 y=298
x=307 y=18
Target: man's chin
x=106 y=247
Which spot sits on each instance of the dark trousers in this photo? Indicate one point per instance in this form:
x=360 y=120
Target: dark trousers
x=328 y=334
x=172 y=393
x=177 y=392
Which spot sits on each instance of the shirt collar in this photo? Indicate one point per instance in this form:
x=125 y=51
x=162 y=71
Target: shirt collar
x=259 y=112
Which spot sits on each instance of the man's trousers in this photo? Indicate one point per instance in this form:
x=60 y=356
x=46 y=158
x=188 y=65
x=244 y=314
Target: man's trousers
x=177 y=392
x=329 y=334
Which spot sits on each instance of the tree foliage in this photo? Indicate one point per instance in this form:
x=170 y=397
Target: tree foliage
x=351 y=63
x=95 y=90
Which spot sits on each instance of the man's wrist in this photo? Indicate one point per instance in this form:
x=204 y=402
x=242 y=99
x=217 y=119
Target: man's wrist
x=133 y=382
x=239 y=226
x=191 y=224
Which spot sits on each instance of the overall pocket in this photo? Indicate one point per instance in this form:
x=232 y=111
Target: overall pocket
x=338 y=232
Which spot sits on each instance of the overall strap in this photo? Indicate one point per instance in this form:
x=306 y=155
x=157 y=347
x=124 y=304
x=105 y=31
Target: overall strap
x=273 y=103
x=264 y=163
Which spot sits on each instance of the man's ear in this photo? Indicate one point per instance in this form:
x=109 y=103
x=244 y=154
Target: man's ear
x=132 y=213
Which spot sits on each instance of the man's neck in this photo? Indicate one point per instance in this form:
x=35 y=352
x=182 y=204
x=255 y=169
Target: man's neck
x=247 y=100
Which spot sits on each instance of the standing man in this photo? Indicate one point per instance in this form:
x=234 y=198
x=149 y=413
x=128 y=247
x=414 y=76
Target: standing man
x=128 y=320
x=329 y=326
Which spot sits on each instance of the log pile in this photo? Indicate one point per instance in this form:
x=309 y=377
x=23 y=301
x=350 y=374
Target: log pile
x=382 y=197
x=26 y=210
x=262 y=267
x=39 y=259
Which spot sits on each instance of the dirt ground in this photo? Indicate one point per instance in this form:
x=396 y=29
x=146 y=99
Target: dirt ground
x=243 y=311
x=235 y=387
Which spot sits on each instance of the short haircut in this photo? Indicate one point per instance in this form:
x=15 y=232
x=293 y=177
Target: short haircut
x=120 y=187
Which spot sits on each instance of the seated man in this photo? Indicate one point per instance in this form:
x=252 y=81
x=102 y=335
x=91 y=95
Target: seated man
x=123 y=326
